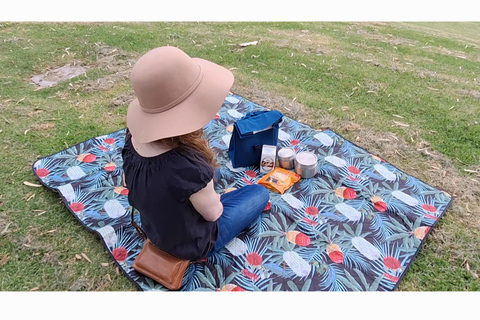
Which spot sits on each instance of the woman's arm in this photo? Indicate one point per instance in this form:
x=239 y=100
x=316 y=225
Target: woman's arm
x=207 y=202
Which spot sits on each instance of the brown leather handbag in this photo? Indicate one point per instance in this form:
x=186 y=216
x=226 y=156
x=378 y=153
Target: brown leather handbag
x=157 y=264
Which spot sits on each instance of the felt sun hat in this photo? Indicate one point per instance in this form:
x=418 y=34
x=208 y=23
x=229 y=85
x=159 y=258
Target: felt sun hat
x=175 y=94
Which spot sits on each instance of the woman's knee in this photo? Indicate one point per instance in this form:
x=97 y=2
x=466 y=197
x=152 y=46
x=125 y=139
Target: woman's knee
x=261 y=192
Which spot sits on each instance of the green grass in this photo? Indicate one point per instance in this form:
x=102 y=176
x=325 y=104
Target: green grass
x=427 y=73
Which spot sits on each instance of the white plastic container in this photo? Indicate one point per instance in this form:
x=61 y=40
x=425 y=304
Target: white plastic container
x=267 y=160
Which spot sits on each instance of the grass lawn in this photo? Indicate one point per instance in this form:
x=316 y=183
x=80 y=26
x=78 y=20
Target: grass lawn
x=409 y=92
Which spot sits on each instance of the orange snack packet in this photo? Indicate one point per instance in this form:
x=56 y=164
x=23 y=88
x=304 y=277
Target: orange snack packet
x=279 y=180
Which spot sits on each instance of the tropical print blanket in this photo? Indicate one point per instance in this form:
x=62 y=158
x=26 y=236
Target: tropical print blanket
x=357 y=225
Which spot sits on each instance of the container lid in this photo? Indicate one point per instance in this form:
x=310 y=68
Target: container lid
x=306 y=158
x=286 y=153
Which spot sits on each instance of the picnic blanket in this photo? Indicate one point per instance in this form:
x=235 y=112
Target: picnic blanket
x=357 y=225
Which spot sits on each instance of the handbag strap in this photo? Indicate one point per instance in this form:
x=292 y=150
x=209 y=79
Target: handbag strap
x=132 y=209
x=142 y=233
x=139 y=229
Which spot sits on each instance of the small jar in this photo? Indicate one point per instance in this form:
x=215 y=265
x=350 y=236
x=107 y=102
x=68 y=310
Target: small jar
x=286 y=157
x=306 y=164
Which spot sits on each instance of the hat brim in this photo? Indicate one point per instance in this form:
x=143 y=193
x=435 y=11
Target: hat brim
x=191 y=114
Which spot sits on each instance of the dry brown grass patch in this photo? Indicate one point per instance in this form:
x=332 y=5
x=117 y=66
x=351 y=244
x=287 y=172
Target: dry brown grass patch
x=123 y=99
x=474 y=94
x=47 y=126
x=360 y=29
x=301 y=40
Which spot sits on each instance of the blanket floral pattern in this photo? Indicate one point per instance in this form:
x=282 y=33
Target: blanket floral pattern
x=357 y=225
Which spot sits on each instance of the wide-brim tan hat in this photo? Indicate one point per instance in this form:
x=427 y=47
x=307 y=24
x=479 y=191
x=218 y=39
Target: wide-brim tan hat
x=176 y=94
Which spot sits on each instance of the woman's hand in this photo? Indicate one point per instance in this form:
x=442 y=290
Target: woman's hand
x=207 y=203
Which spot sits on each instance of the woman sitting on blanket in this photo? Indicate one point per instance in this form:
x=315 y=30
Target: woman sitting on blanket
x=168 y=165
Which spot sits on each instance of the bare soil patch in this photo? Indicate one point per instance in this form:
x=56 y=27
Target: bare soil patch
x=64 y=73
x=116 y=62
x=113 y=60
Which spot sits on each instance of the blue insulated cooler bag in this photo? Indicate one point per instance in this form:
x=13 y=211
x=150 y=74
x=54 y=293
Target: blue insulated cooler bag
x=249 y=135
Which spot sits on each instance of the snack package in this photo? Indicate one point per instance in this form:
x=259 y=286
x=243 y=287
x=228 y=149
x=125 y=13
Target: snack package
x=279 y=180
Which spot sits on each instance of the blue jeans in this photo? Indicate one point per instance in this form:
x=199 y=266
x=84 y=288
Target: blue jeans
x=240 y=208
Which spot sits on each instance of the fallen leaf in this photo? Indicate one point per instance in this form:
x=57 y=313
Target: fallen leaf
x=401 y=155
x=30 y=197
x=394 y=137
x=31 y=184
x=401 y=124
x=50 y=231
x=86 y=258
x=104 y=264
x=4 y=259
x=245 y=44
x=34 y=289
x=40 y=213
x=20 y=101
x=108 y=277
x=78 y=257
x=5 y=229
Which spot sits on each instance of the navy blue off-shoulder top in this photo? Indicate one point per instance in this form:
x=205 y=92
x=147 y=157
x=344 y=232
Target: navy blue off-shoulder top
x=159 y=188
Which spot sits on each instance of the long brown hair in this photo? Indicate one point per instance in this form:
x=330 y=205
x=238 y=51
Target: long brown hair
x=193 y=140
